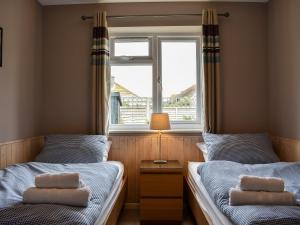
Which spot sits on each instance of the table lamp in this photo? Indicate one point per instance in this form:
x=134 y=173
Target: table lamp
x=160 y=121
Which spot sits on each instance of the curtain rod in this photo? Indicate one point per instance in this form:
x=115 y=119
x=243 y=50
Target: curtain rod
x=226 y=14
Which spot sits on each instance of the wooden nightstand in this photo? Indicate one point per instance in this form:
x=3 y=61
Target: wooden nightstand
x=161 y=191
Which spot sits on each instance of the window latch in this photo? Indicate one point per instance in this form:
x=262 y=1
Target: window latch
x=126 y=58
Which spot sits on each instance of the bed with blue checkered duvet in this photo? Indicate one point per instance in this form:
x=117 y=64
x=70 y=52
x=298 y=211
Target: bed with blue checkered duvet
x=14 y=180
x=219 y=176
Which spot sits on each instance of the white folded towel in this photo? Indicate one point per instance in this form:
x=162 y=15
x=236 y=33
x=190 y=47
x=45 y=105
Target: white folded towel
x=239 y=197
x=58 y=180
x=72 y=197
x=254 y=183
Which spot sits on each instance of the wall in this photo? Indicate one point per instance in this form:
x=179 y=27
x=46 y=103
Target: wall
x=284 y=68
x=20 y=76
x=66 y=56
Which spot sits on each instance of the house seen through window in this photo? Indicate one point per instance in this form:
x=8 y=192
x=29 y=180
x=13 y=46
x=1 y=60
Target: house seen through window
x=155 y=73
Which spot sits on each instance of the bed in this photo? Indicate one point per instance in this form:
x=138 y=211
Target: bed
x=106 y=179
x=209 y=183
x=210 y=190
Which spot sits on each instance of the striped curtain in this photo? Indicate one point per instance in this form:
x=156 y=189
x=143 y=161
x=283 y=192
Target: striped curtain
x=211 y=72
x=100 y=75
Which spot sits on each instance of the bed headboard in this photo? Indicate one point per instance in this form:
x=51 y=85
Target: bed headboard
x=19 y=151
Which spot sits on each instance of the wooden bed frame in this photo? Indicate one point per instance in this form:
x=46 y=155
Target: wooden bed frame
x=113 y=215
x=201 y=217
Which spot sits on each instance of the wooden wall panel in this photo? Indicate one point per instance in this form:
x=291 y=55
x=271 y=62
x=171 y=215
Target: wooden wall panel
x=131 y=149
x=287 y=149
x=19 y=151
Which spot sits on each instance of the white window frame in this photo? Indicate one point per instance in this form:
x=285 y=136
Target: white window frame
x=126 y=59
x=154 y=59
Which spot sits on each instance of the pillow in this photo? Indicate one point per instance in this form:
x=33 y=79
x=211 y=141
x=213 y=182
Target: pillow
x=241 y=148
x=202 y=147
x=74 y=149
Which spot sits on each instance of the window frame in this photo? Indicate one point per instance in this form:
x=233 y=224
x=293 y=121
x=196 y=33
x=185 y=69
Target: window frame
x=154 y=59
x=121 y=60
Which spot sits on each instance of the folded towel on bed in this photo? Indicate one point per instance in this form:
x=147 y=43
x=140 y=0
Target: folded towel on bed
x=58 y=180
x=72 y=197
x=254 y=183
x=239 y=197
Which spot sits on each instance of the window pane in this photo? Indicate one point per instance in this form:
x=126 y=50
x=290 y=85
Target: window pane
x=131 y=100
x=132 y=47
x=179 y=83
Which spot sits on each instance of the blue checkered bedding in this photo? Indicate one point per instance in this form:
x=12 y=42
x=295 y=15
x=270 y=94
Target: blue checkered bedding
x=14 y=180
x=219 y=176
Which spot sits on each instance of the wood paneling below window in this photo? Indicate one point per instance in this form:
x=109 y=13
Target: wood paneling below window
x=24 y=150
x=131 y=149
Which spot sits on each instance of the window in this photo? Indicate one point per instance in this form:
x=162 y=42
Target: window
x=131 y=47
x=179 y=79
x=157 y=72
x=132 y=90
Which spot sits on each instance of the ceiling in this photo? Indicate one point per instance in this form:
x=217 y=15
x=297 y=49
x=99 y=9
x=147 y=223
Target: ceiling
x=70 y=2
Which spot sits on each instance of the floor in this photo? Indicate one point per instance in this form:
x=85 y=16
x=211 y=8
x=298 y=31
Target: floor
x=131 y=217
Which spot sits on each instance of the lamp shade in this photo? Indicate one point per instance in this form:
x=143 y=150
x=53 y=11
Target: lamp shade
x=160 y=121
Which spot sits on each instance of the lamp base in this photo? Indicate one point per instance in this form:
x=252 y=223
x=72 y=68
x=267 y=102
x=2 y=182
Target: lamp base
x=160 y=161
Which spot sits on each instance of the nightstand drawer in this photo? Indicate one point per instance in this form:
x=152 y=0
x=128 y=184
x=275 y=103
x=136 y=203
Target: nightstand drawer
x=161 y=185
x=161 y=209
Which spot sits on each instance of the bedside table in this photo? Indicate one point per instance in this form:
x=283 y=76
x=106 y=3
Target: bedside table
x=161 y=191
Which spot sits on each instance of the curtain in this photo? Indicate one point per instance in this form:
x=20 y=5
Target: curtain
x=100 y=75
x=211 y=72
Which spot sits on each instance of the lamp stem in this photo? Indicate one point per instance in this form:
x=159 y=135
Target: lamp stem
x=160 y=156
x=160 y=160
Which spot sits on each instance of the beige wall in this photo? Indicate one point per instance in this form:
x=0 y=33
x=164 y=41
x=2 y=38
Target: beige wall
x=20 y=76
x=66 y=67
x=260 y=68
x=284 y=68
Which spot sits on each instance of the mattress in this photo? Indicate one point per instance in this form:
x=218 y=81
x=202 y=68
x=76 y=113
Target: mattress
x=203 y=198
x=104 y=180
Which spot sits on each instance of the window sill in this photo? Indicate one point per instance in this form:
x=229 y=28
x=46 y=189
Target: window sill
x=147 y=131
